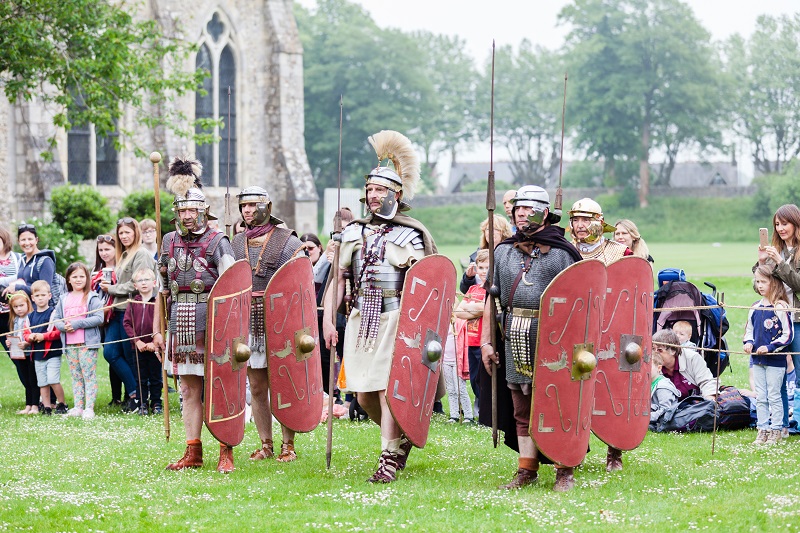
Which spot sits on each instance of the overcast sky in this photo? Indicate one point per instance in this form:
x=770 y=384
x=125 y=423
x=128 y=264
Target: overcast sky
x=510 y=21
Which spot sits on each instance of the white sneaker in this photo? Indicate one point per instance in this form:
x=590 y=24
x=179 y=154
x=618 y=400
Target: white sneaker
x=88 y=414
x=75 y=412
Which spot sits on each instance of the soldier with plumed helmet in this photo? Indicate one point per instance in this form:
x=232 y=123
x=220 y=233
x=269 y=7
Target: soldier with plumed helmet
x=376 y=251
x=266 y=246
x=190 y=260
x=525 y=264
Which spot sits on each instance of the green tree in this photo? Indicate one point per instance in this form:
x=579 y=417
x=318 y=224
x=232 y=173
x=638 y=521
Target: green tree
x=142 y=204
x=446 y=119
x=644 y=77
x=378 y=72
x=765 y=83
x=81 y=210
x=94 y=61
x=527 y=110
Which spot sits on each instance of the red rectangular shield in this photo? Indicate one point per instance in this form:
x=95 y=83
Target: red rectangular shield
x=227 y=326
x=295 y=368
x=621 y=412
x=571 y=314
x=425 y=308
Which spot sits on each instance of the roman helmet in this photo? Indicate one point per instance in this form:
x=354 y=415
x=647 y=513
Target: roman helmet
x=184 y=183
x=586 y=207
x=537 y=198
x=403 y=178
x=260 y=197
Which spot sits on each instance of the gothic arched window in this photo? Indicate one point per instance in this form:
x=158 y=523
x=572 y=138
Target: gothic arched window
x=217 y=56
x=91 y=158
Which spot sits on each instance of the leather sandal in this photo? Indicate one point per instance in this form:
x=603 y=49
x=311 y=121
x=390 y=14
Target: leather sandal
x=387 y=468
x=287 y=454
x=265 y=452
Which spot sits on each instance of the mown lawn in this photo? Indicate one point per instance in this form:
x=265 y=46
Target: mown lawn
x=63 y=474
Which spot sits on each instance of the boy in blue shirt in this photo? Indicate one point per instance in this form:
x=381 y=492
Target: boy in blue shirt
x=45 y=341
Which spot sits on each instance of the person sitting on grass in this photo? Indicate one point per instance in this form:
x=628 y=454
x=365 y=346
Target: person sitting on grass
x=45 y=341
x=683 y=366
x=663 y=394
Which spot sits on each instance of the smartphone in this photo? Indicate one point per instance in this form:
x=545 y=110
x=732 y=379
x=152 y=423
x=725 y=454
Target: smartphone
x=763 y=235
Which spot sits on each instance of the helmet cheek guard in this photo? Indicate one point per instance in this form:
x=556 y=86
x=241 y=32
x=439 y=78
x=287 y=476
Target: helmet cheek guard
x=262 y=213
x=537 y=217
x=595 y=230
x=388 y=208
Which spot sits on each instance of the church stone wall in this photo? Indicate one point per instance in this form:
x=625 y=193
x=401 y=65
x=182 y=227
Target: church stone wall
x=270 y=148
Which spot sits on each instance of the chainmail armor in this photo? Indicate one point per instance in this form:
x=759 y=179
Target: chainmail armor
x=280 y=248
x=544 y=267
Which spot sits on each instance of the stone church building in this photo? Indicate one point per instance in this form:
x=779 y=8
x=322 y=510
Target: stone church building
x=251 y=46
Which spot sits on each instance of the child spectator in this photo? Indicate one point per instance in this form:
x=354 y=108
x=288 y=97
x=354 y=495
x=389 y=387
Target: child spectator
x=455 y=367
x=683 y=330
x=471 y=310
x=45 y=341
x=664 y=396
x=148 y=227
x=768 y=329
x=78 y=318
x=21 y=307
x=138 y=323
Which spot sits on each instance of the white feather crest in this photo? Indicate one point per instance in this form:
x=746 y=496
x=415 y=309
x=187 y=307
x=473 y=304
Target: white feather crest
x=396 y=147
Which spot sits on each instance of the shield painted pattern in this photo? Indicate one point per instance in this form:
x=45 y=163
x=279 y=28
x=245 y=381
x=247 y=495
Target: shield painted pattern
x=227 y=327
x=295 y=368
x=429 y=292
x=621 y=411
x=571 y=314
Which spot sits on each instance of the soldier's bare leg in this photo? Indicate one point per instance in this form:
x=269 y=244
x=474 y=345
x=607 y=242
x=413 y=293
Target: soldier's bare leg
x=389 y=428
x=262 y=412
x=192 y=393
x=392 y=454
x=287 y=447
x=371 y=404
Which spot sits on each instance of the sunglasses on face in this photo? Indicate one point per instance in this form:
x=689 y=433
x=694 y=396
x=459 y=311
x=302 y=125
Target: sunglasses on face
x=22 y=228
x=105 y=238
x=125 y=220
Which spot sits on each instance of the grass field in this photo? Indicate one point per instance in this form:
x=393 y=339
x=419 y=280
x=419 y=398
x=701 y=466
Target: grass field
x=64 y=474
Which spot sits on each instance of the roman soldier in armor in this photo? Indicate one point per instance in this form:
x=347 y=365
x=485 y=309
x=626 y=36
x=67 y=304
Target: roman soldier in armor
x=375 y=253
x=588 y=225
x=266 y=247
x=525 y=264
x=190 y=260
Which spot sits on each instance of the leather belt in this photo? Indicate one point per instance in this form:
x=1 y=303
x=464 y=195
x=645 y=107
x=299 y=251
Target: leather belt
x=525 y=313
x=191 y=298
x=386 y=293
